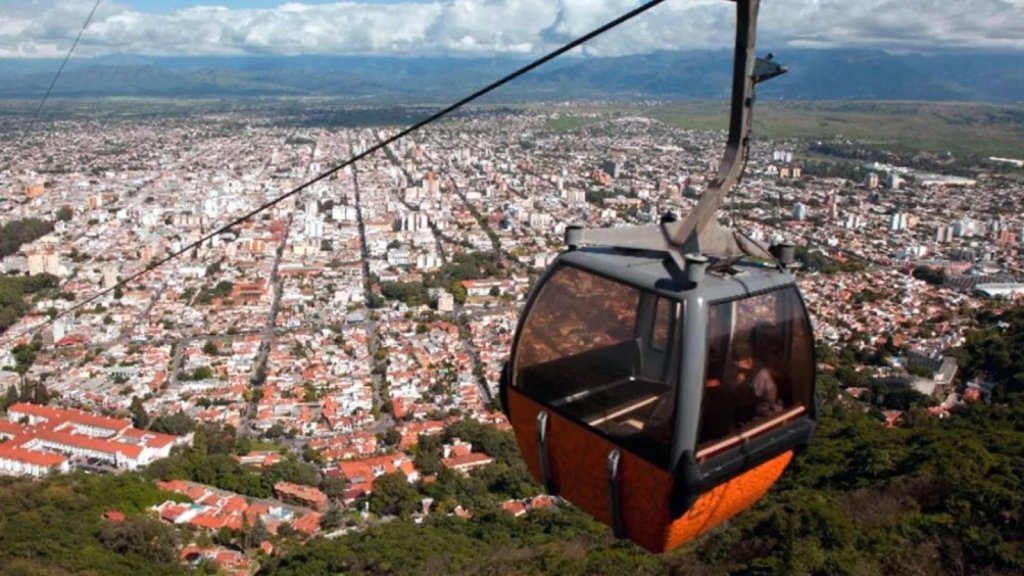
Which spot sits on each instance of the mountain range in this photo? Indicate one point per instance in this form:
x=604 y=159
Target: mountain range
x=840 y=74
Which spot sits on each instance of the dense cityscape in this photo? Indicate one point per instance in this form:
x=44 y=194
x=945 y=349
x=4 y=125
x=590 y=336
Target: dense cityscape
x=338 y=331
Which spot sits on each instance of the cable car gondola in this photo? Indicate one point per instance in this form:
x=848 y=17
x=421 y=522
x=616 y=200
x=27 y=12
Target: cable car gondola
x=662 y=377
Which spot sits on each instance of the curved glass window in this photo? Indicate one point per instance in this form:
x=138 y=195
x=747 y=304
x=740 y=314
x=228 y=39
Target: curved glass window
x=760 y=368
x=600 y=352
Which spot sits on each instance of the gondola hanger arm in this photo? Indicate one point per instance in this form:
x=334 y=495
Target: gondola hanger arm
x=699 y=232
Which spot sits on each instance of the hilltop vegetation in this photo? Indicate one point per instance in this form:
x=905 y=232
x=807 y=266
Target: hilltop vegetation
x=935 y=497
x=55 y=527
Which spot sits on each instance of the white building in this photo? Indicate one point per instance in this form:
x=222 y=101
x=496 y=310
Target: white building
x=18 y=462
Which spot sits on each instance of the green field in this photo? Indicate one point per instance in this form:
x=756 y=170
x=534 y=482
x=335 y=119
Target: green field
x=570 y=122
x=961 y=129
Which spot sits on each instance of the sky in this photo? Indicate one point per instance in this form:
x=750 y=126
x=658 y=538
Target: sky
x=46 y=28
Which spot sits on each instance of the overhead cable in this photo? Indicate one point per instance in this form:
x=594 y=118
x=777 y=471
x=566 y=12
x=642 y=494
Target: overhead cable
x=67 y=57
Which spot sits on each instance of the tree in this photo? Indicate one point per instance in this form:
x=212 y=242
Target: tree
x=210 y=348
x=40 y=395
x=334 y=518
x=392 y=437
x=933 y=276
x=11 y=398
x=24 y=356
x=920 y=371
x=334 y=487
x=314 y=456
x=260 y=533
x=145 y=537
x=458 y=292
x=17 y=232
x=224 y=536
x=65 y=213
x=177 y=424
x=202 y=373
x=140 y=419
x=285 y=530
x=428 y=457
x=393 y=495
x=275 y=431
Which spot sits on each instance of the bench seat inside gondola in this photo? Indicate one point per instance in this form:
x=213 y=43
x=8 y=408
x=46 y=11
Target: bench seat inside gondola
x=601 y=387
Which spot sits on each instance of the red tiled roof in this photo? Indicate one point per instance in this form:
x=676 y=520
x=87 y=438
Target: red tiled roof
x=542 y=501
x=467 y=460
x=196 y=492
x=150 y=439
x=172 y=512
x=114 y=515
x=44 y=459
x=207 y=521
x=89 y=443
x=306 y=493
x=11 y=428
x=57 y=415
x=514 y=507
x=235 y=504
x=173 y=486
x=309 y=524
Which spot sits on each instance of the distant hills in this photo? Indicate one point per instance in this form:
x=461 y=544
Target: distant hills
x=841 y=74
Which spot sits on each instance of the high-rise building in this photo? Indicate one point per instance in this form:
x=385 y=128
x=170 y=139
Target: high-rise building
x=109 y=277
x=1006 y=237
x=784 y=156
x=445 y=302
x=945 y=234
x=898 y=221
x=415 y=222
x=314 y=227
x=611 y=168
x=833 y=205
x=965 y=228
x=800 y=211
x=871 y=181
x=576 y=196
x=893 y=181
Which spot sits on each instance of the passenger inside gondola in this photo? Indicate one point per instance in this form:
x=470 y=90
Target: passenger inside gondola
x=757 y=372
x=768 y=370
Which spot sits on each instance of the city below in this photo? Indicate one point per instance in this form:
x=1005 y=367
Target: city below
x=355 y=333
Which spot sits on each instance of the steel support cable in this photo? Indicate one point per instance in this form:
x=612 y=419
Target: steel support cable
x=67 y=57
x=353 y=159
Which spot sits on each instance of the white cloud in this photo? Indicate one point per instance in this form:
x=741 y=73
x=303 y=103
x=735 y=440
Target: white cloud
x=485 y=27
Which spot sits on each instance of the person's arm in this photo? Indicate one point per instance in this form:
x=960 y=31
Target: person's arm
x=767 y=392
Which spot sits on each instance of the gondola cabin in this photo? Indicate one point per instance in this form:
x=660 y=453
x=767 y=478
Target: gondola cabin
x=662 y=376
x=658 y=403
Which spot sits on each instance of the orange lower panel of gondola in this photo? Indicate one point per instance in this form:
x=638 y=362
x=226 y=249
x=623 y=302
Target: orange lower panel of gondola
x=577 y=460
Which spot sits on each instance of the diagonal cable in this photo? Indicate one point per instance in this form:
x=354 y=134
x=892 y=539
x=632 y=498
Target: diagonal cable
x=67 y=57
x=352 y=160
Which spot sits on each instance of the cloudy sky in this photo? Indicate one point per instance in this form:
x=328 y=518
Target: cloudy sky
x=46 y=28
